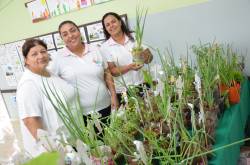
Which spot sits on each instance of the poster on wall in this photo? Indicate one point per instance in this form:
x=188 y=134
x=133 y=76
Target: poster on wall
x=2 y=48
x=73 y=5
x=11 y=104
x=85 y=3
x=64 y=6
x=3 y=52
x=38 y=10
x=9 y=74
x=11 y=65
x=58 y=41
x=58 y=7
x=78 y=4
x=19 y=45
x=44 y=9
x=48 y=39
x=82 y=30
x=95 y=32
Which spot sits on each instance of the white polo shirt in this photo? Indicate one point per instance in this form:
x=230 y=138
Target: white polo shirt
x=32 y=102
x=86 y=74
x=121 y=55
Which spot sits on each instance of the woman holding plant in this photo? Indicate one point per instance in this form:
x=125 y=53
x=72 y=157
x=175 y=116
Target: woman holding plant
x=34 y=107
x=82 y=66
x=117 y=50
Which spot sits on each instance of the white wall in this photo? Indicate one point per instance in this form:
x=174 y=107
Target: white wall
x=227 y=21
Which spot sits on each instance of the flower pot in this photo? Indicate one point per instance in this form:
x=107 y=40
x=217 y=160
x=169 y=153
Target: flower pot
x=147 y=56
x=211 y=122
x=223 y=88
x=234 y=94
x=141 y=56
x=137 y=58
x=99 y=161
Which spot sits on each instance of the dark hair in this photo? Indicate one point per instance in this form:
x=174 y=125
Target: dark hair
x=30 y=43
x=124 y=28
x=67 y=22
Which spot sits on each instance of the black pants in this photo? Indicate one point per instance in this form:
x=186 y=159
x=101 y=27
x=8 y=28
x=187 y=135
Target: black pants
x=140 y=92
x=104 y=117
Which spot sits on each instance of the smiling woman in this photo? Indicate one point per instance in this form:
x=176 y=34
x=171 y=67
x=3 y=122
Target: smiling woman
x=83 y=67
x=38 y=112
x=36 y=57
x=117 y=51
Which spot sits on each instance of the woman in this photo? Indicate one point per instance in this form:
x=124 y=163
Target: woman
x=82 y=66
x=35 y=109
x=117 y=51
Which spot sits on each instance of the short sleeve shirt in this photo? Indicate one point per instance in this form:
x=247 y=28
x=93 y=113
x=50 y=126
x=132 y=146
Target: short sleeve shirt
x=121 y=55
x=86 y=74
x=32 y=102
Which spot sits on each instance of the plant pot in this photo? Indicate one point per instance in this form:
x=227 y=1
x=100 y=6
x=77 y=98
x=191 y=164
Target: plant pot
x=147 y=56
x=210 y=122
x=99 y=161
x=141 y=56
x=223 y=88
x=234 y=94
x=137 y=58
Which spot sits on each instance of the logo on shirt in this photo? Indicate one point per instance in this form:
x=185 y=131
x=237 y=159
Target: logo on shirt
x=97 y=62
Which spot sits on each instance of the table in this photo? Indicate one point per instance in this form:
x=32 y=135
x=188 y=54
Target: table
x=230 y=129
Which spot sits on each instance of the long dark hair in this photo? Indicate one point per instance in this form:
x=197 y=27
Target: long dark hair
x=124 y=28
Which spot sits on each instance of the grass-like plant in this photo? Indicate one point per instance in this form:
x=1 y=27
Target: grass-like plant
x=71 y=114
x=141 y=15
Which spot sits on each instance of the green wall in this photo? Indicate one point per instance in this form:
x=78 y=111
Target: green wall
x=16 y=24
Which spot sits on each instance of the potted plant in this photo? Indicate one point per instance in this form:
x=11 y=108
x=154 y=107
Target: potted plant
x=140 y=54
x=231 y=74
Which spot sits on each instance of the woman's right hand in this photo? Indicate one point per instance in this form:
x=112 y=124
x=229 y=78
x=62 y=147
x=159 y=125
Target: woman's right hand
x=134 y=66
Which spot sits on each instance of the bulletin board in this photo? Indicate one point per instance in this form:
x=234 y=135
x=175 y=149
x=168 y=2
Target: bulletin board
x=9 y=97
x=11 y=65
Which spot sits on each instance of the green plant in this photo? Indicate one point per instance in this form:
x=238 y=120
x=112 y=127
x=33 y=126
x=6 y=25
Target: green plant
x=71 y=114
x=229 y=65
x=141 y=14
x=206 y=56
x=138 y=51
